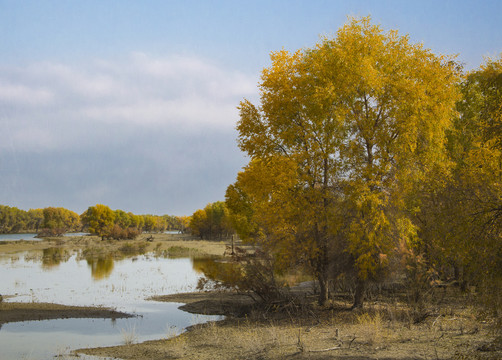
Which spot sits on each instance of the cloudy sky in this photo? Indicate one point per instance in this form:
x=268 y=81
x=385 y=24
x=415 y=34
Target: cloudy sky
x=132 y=104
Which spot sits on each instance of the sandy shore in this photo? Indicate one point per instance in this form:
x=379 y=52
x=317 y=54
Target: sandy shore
x=12 y=312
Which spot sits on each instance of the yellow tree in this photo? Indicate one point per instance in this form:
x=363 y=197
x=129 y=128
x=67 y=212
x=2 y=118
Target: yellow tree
x=137 y=221
x=36 y=218
x=122 y=219
x=355 y=122
x=198 y=223
x=212 y=222
x=99 y=219
x=150 y=223
x=183 y=223
x=57 y=221
x=462 y=224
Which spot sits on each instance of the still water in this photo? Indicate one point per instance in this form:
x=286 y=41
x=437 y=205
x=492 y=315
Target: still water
x=72 y=280
x=13 y=237
x=31 y=236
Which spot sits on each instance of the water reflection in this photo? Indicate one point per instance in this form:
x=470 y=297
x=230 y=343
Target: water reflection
x=51 y=276
x=217 y=270
x=73 y=279
x=201 y=265
x=101 y=267
x=53 y=257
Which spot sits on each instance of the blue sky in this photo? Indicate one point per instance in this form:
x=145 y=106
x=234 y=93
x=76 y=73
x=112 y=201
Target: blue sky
x=133 y=103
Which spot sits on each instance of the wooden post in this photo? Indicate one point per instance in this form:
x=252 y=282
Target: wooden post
x=233 y=253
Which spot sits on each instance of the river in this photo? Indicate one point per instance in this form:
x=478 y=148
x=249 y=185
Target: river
x=125 y=285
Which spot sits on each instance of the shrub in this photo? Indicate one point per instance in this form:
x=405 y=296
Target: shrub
x=118 y=233
x=48 y=232
x=249 y=272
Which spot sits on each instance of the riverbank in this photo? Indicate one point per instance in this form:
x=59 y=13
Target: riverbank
x=296 y=330
x=145 y=242
x=13 y=312
x=382 y=331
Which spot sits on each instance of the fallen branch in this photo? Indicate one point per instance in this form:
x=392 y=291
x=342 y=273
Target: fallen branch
x=329 y=349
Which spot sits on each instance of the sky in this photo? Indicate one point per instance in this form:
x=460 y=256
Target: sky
x=133 y=104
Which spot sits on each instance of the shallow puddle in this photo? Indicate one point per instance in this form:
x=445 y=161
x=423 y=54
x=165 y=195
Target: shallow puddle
x=121 y=284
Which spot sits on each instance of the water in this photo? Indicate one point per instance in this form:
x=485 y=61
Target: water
x=31 y=236
x=14 y=237
x=71 y=280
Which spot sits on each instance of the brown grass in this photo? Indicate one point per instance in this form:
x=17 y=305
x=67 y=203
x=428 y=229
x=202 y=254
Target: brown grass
x=382 y=331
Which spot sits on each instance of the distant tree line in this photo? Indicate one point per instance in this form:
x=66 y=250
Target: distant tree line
x=98 y=219
x=14 y=220
x=117 y=224
x=212 y=222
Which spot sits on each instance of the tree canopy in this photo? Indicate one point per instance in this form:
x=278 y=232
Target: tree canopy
x=460 y=219
x=343 y=132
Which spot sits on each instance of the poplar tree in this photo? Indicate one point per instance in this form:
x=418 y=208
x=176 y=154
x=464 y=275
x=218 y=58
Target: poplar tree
x=343 y=132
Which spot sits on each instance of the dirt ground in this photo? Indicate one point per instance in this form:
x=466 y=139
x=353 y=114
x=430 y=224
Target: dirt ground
x=381 y=331
x=295 y=330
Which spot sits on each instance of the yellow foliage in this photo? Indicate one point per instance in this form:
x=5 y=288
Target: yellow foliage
x=344 y=131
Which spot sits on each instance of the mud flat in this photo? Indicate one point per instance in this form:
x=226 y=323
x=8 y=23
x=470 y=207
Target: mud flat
x=12 y=312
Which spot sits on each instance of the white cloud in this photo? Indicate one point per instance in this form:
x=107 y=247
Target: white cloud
x=23 y=95
x=62 y=102
x=143 y=134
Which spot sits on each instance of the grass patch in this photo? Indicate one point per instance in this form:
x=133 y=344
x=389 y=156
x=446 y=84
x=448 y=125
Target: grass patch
x=133 y=248
x=129 y=335
x=372 y=328
x=176 y=252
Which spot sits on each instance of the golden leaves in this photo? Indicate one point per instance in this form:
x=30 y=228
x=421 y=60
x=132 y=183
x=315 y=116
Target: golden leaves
x=343 y=131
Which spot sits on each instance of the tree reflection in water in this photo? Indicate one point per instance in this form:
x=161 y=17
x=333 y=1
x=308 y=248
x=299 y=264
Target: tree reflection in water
x=53 y=256
x=101 y=267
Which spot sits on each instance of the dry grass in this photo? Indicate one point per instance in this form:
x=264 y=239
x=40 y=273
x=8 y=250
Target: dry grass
x=379 y=332
x=129 y=335
x=95 y=246
x=385 y=329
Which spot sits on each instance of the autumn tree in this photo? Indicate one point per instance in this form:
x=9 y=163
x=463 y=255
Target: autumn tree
x=14 y=220
x=136 y=221
x=173 y=222
x=36 y=217
x=460 y=222
x=197 y=223
x=344 y=130
x=122 y=219
x=212 y=222
x=182 y=223
x=99 y=219
x=57 y=221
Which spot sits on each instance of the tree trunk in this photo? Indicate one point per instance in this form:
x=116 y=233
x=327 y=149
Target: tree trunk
x=460 y=278
x=324 y=289
x=359 y=295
